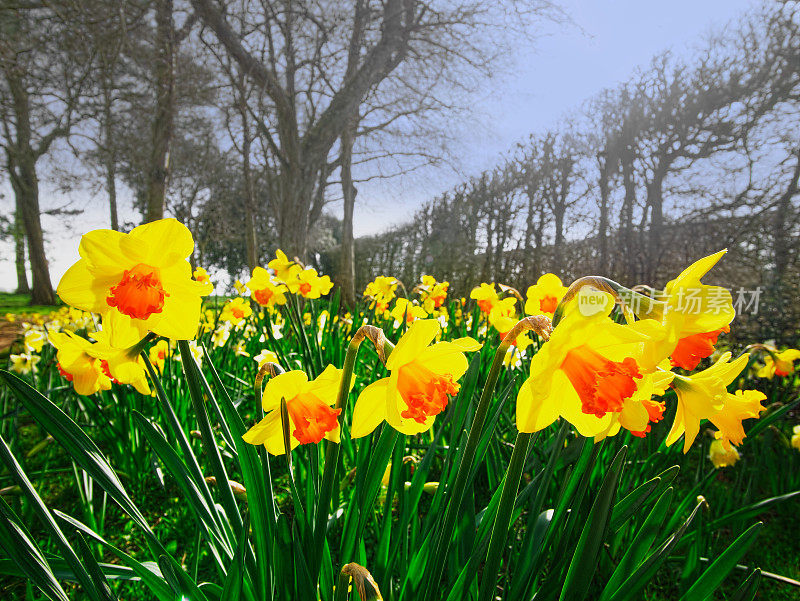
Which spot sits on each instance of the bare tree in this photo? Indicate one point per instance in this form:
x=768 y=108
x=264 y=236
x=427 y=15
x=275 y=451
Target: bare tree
x=43 y=66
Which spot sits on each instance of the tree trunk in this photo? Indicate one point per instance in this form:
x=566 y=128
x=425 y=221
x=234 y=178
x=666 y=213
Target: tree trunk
x=25 y=183
x=110 y=156
x=655 y=200
x=602 y=234
x=347 y=266
x=164 y=112
x=626 y=217
x=296 y=190
x=19 y=259
x=26 y=188
x=558 y=243
x=249 y=199
x=781 y=224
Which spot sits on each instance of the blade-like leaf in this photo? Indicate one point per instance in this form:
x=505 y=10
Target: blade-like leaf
x=712 y=577
x=584 y=561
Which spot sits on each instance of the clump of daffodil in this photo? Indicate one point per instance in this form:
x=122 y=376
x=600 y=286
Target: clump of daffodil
x=406 y=311
x=201 y=275
x=235 y=311
x=87 y=373
x=796 y=437
x=589 y=373
x=422 y=379
x=309 y=404
x=704 y=395
x=691 y=315
x=221 y=334
x=158 y=354
x=307 y=282
x=140 y=280
x=503 y=315
x=543 y=297
x=721 y=456
x=432 y=294
x=381 y=291
x=281 y=266
x=487 y=297
x=266 y=291
x=24 y=363
x=779 y=364
x=34 y=340
x=240 y=288
x=266 y=356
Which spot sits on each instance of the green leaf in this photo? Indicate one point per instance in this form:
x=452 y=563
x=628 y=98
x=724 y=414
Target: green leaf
x=94 y=568
x=638 y=548
x=148 y=571
x=233 y=581
x=16 y=541
x=197 y=386
x=751 y=511
x=629 y=505
x=584 y=561
x=81 y=574
x=189 y=487
x=78 y=445
x=645 y=572
x=257 y=480
x=713 y=576
x=748 y=589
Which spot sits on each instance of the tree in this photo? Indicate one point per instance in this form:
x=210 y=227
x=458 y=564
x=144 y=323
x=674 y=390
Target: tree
x=43 y=64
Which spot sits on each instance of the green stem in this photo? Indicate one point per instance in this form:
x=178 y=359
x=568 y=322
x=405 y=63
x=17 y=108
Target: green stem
x=332 y=451
x=503 y=519
x=470 y=450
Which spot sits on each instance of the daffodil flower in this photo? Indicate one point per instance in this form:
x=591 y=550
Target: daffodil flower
x=87 y=373
x=722 y=457
x=158 y=354
x=281 y=265
x=124 y=365
x=705 y=395
x=24 y=363
x=782 y=365
x=796 y=437
x=588 y=372
x=381 y=289
x=310 y=407
x=201 y=275
x=307 y=282
x=691 y=315
x=139 y=280
x=265 y=291
x=235 y=311
x=422 y=378
x=543 y=297
x=486 y=296
x=266 y=356
x=405 y=310
x=34 y=340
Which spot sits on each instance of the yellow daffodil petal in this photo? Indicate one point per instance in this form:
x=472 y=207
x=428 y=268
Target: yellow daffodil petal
x=370 y=409
x=285 y=385
x=419 y=335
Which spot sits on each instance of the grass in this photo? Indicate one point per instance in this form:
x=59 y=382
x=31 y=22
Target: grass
x=20 y=304
x=108 y=419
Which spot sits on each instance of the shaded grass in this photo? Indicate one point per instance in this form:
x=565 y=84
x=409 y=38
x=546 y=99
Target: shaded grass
x=20 y=304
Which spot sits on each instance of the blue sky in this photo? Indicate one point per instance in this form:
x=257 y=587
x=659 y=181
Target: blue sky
x=609 y=40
